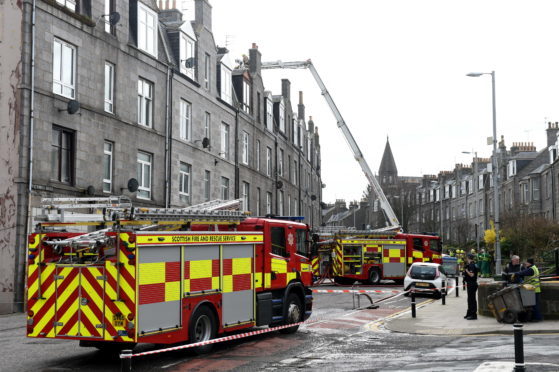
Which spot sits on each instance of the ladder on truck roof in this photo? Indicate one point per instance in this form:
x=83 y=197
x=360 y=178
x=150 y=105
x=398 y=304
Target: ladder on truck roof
x=119 y=210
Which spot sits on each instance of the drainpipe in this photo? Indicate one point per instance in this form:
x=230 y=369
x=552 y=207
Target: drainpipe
x=552 y=193
x=168 y=138
x=20 y=254
x=276 y=173
x=236 y=191
x=301 y=213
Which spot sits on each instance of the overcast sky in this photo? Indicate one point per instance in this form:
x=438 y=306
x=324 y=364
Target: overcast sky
x=397 y=68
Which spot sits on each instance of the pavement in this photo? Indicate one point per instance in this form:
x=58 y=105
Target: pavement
x=433 y=318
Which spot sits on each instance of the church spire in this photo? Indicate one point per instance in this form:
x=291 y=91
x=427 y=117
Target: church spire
x=387 y=171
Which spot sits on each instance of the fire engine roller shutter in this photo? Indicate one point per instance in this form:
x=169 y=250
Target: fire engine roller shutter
x=159 y=288
x=238 y=288
x=393 y=260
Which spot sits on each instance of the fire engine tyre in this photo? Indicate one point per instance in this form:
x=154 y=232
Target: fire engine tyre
x=374 y=276
x=294 y=313
x=202 y=328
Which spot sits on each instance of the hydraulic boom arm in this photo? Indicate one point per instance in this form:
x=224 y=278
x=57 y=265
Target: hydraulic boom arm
x=392 y=220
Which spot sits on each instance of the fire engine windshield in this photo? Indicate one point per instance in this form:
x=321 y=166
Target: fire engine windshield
x=435 y=245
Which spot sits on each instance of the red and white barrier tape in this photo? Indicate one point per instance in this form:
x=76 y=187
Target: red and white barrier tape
x=221 y=339
x=351 y=291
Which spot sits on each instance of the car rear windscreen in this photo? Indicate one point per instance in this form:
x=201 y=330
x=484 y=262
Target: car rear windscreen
x=423 y=272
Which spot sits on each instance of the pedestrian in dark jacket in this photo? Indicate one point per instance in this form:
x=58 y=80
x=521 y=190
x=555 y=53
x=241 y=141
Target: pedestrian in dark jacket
x=470 y=278
x=513 y=267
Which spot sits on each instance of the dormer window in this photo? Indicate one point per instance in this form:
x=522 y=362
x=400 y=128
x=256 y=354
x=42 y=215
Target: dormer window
x=511 y=168
x=226 y=84
x=269 y=114
x=246 y=97
x=552 y=153
x=282 y=117
x=187 y=56
x=147 y=29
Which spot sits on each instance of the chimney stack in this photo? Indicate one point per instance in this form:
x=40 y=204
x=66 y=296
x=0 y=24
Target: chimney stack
x=301 y=107
x=286 y=89
x=552 y=130
x=203 y=13
x=255 y=59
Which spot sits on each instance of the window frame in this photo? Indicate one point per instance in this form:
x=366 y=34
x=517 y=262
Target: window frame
x=245 y=196
x=226 y=84
x=64 y=174
x=225 y=184
x=185 y=182
x=245 y=144
x=246 y=97
x=110 y=155
x=269 y=164
x=185 y=120
x=59 y=62
x=207 y=185
x=144 y=37
x=145 y=103
x=110 y=90
x=207 y=71
x=225 y=139
x=187 y=50
x=142 y=164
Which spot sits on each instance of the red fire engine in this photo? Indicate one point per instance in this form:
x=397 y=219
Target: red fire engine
x=348 y=256
x=163 y=275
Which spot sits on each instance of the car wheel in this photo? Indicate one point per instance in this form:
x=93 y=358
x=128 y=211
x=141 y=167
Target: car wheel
x=203 y=327
x=293 y=314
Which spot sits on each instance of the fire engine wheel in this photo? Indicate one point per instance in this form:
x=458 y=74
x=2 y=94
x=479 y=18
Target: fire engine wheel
x=294 y=313
x=374 y=276
x=202 y=328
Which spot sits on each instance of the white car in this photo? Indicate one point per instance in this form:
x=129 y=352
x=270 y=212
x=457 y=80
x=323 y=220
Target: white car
x=426 y=278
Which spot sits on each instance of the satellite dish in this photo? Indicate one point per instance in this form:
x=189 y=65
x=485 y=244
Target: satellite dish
x=132 y=185
x=279 y=184
x=73 y=106
x=205 y=142
x=189 y=62
x=313 y=197
x=114 y=17
x=90 y=190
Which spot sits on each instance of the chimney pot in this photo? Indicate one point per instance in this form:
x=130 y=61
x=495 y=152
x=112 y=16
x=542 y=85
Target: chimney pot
x=254 y=46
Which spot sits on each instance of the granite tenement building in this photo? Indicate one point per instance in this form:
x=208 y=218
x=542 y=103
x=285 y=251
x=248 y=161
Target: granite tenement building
x=96 y=93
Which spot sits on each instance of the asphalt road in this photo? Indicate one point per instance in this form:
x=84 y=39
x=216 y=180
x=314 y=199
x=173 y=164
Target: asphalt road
x=343 y=339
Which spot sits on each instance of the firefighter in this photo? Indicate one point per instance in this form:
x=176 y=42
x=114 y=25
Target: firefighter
x=485 y=264
x=460 y=258
x=531 y=276
x=470 y=278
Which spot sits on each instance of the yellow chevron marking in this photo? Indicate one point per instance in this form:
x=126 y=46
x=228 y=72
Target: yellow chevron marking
x=268 y=280
x=48 y=316
x=46 y=272
x=72 y=309
x=111 y=270
x=90 y=315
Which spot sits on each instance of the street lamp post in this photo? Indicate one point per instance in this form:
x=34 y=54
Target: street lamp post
x=474 y=153
x=495 y=167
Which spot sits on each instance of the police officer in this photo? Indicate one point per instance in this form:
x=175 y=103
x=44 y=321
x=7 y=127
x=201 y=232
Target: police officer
x=532 y=276
x=470 y=278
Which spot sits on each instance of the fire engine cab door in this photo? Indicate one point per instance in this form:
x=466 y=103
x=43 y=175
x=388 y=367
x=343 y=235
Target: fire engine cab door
x=238 y=288
x=80 y=301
